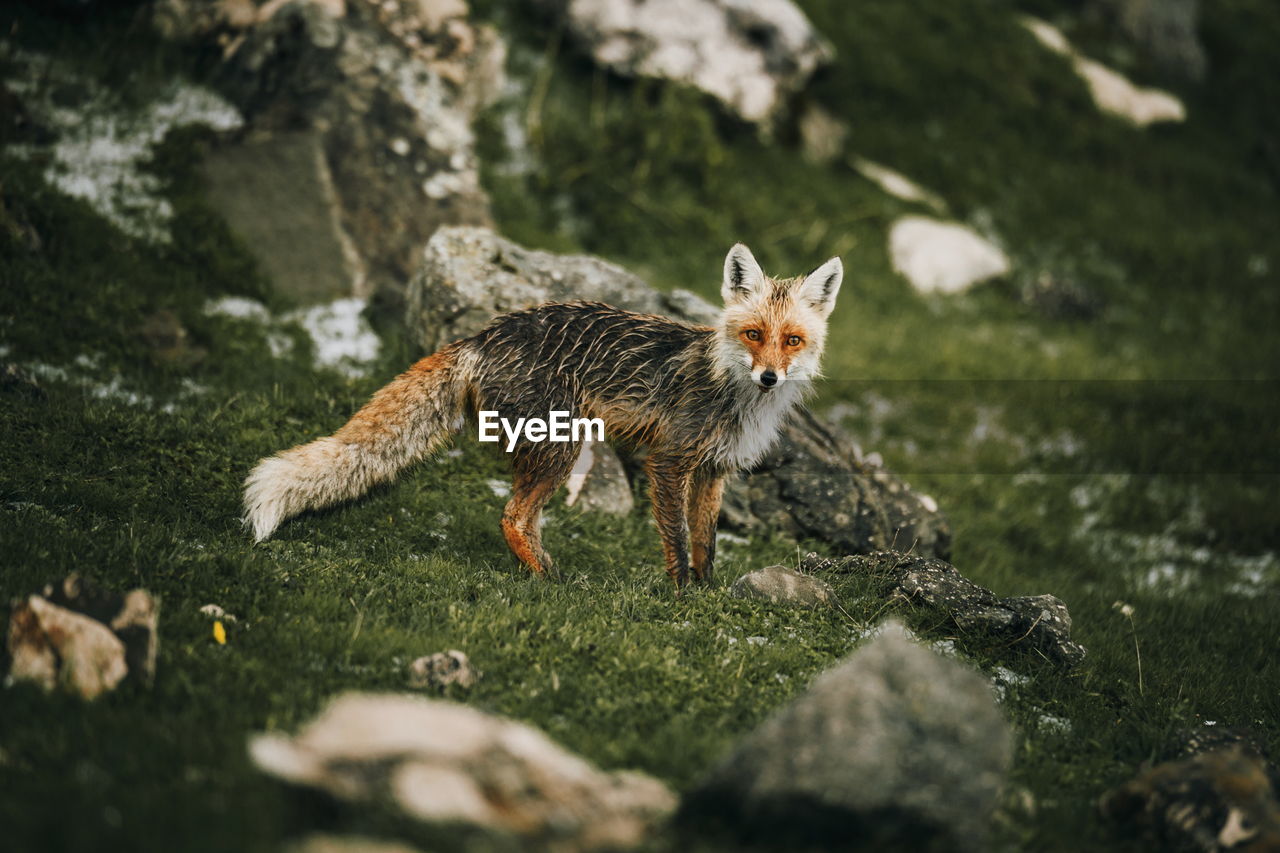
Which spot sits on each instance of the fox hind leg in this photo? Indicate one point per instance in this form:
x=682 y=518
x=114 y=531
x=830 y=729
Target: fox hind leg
x=704 y=510
x=537 y=473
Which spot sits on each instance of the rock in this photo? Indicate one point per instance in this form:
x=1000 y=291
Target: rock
x=810 y=485
x=896 y=184
x=1220 y=800
x=467 y=276
x=1112 y=92
x=442 y=669
x=942 y=257
x=895 y=747
x=169 y=341
x=598 y=482
x=438 y=761
x=822 y=135
x=782 y=585
x=1164 y=30
x=96 y=143
x=53 y=647
x=751 y=55
x=1060 y=297
x=357 y=143
x=1038 y=623
x=133 y=616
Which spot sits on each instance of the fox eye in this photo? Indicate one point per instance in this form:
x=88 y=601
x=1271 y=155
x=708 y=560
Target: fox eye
x=795 y=341
x=753 y=334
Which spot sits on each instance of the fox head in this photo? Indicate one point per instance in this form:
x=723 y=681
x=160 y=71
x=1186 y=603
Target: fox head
x=773 y=330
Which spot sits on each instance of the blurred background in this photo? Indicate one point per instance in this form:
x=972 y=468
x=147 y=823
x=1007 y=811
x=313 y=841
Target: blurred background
x=221 y=221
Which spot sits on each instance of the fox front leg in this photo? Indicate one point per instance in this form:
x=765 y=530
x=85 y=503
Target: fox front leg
x=669 y=492
x=704 y=510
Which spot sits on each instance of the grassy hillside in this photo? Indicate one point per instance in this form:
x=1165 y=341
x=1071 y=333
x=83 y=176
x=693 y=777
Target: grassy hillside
x=1129 y=457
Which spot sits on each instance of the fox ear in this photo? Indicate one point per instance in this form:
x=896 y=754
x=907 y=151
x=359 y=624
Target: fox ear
x=820 y=287
x=742 y=275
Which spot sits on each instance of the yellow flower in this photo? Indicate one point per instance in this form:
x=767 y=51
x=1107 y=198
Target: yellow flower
x=219 y=633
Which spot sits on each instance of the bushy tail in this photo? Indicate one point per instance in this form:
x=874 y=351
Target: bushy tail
x=404 y=422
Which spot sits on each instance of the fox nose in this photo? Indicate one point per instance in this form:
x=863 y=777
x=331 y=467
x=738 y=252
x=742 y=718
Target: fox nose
x=768 y=379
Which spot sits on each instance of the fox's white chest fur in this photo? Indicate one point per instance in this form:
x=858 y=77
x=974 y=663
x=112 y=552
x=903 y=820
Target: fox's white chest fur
x=762 y=414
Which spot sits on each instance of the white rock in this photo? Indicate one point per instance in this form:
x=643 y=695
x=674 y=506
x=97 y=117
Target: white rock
x=895 y=184
x=440 y=761
x=1112 y=92
x=749 y=54
x=942 y=257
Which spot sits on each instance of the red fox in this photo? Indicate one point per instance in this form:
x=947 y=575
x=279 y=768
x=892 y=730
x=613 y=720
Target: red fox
x=704 y=401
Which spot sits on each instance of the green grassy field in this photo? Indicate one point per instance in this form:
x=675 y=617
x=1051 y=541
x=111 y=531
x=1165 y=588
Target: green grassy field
x=1129 y=457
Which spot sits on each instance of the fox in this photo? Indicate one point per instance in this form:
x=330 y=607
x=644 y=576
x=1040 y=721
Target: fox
x=702 y=402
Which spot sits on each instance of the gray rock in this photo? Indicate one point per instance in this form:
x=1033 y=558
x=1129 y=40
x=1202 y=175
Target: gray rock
x=1038 y=623
x=467 y=276
x=894 y=747
x=443 y=669
x=598 y=482
x=357 y=142
x=438 y=761
x=1165 y=30
x=1060 y=297
x=810 y=485
x=749 y=54
x=782 y=585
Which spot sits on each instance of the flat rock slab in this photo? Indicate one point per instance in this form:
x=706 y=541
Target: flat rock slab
x=895 y=747
x=439 y=761
x=781 y=585
x=1038 y=623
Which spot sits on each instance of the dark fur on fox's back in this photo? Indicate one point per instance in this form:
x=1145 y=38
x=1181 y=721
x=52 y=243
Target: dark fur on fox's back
x=649 y=378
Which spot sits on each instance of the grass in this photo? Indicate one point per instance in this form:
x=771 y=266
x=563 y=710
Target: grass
x=1155 y=487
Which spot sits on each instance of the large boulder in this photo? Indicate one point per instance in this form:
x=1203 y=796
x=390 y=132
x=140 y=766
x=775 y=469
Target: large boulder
x=811 y=485
x=467 y=276
x=896 y=747
x=357 y=142
x=440 y=762
x=1035 y=623
x=749 y=54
